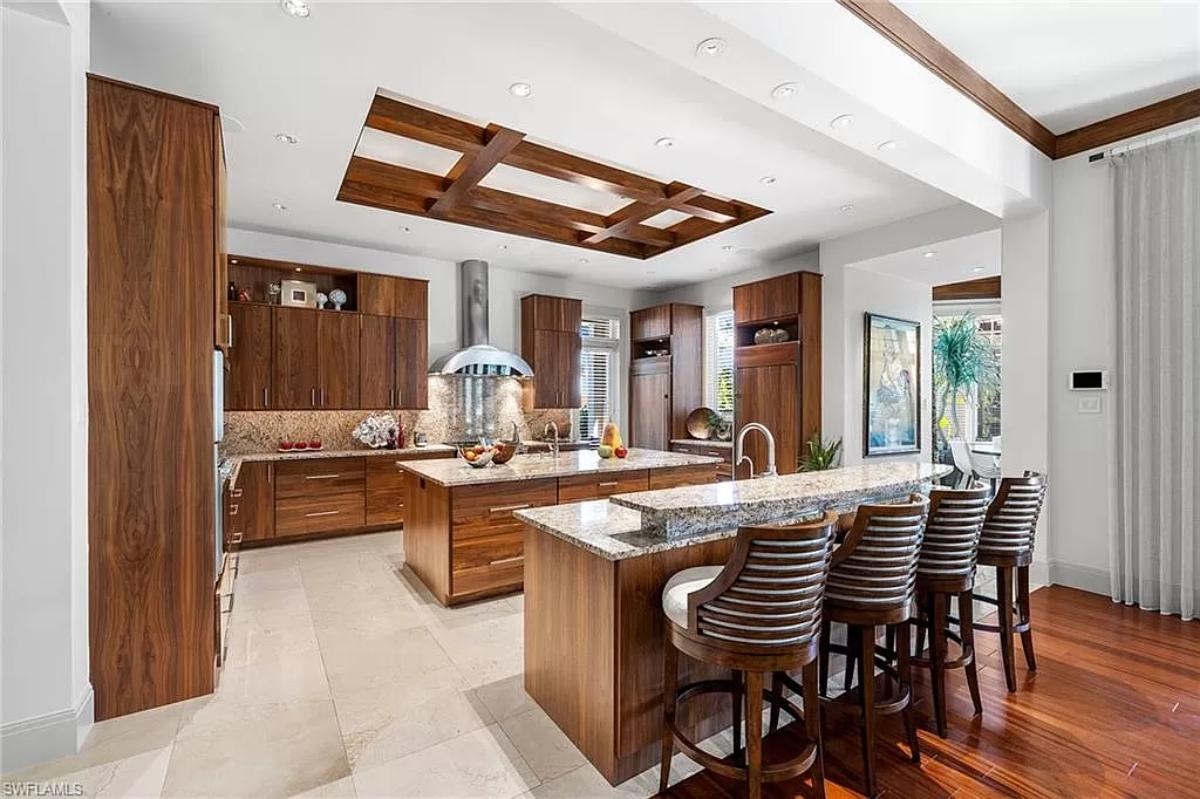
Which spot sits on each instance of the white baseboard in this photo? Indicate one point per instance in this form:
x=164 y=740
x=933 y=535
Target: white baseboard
x=1085 y=578
x=26 y=742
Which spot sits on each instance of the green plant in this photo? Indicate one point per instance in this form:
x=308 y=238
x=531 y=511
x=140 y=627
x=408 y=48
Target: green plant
x=822 y=455
x=962 y=357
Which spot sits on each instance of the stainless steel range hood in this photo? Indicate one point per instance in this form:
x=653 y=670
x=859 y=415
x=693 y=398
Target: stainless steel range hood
x=477 y=356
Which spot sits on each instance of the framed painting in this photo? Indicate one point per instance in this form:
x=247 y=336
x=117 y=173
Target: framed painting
x=891 y=386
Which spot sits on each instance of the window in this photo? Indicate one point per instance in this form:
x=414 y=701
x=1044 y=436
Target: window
x=597 y=374
x=718 y=382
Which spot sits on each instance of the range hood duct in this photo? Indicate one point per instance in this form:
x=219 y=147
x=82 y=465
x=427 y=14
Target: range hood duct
x=477 y=356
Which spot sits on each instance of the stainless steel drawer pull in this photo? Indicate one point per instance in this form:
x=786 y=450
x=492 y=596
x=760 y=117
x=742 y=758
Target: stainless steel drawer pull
x=236 y=539
x=233 y=509
x=505 y=508
x=237 y=492
x=503 y=561
x=320 y=476
x=322 y=513
x=609 y=484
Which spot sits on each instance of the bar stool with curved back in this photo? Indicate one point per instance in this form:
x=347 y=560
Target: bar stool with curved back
x=1006 y=543
x=759 y=613
x=872 y=583
x=946 y=570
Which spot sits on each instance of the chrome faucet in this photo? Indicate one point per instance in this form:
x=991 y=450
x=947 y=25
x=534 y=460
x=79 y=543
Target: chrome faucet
x=554 y=444
x=738 y=455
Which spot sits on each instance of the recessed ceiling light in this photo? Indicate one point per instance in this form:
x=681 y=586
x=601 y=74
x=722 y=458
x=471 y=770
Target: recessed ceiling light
x=298 y=269
x=977 y=269
x=929 y=253
x=295 y=8
x=664 y=142
x=843 y=121
x=583 y=260
x=286 y=138
x=279 y=206
x=714 y=45
x=784 y=91
x=890 y=144
x=503 y=246
x=766 y=180
x=728 y=248
x=405 y=229
x=520 y=89
x=848 y=208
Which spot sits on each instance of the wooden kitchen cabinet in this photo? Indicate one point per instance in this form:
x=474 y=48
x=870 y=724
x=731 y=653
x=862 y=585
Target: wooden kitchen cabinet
x=676 y=476
x=393 y=362
x=248 y=383
x=767 y=299
x=337 y=360
x=319 y=495
x=412 y=363
x=580 y=487
x=383 y=295
x=294 y=365
x=767 y=394
x=253 y=499
x=551 y=344
x=386 y=494
x=664 y=388
x=701 y=447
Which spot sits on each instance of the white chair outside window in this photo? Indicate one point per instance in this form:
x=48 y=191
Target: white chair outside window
x=961 y=453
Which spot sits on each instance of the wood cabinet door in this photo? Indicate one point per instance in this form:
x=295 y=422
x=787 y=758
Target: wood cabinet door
x=410 y=298
x=547 y=368
x=294 y=359
x=650 y=409
x=412 y=363
x=385 y=491
x=248 y=384
x=254 y=498
x=767 y=395
x=650 y=322
x=767 y=299
x=557 y=313
x=337 y=358
x=569 y=349
x=221 y=321
x=376 y=362
x=376 y=294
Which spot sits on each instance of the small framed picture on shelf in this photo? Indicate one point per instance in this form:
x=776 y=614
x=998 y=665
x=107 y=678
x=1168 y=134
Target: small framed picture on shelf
x=298 y=294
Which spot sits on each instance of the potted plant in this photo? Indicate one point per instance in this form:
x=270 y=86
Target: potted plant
x=822 y=455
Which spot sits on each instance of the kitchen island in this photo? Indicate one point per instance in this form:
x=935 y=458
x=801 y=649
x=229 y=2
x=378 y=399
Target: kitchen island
x=594 y=574
x=460 y=537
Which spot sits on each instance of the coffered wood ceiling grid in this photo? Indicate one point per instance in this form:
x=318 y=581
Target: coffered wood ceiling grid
x=458 y=196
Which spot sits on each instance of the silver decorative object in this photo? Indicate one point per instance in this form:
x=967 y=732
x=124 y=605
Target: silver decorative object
x=339 y=299
x=321 y=299
x=377 y=429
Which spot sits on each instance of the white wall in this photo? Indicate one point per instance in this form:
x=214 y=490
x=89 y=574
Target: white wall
x=506 y=287
x=45 y=697
x=716 y=294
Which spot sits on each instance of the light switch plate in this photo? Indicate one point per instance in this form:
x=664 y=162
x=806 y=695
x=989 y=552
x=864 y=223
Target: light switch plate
x=1089 y=405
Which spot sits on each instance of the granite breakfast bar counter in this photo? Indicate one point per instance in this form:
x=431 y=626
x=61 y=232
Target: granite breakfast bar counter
x=460 y=537
x=594 y=574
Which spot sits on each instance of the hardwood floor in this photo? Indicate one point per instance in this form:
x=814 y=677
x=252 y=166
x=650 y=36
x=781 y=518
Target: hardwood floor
x=1113 y=710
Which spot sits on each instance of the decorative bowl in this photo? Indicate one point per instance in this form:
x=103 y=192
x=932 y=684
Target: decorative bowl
x=700 y=422
x=480 y=459
x=503 y=452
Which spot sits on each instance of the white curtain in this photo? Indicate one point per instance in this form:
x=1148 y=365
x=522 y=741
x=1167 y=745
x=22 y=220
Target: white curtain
x=1155 y=543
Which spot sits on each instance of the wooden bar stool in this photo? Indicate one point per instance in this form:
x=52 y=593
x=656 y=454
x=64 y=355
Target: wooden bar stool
x=946 y=571
x=759 y=613
x=1007 y=544
x=872 y=583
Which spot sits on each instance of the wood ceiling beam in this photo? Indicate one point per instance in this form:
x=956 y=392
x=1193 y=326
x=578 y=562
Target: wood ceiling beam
x=395 y=178
x=983 y=288
x=1173 y=110
x=423 y=125
x=710 y=208
x=583 y=172
x=621 y=220
x=474 y=167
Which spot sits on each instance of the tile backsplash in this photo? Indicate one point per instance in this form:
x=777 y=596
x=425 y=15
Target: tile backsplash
x=459 y=408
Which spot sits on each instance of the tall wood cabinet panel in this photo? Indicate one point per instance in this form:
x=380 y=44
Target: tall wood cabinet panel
x=412 y=363
x=222 y=322
x=551 y=344
x=778 y=384
x=377 y=362
x=294 y=367
x=153 y=236
x=248 y=383
x=678 y=329
x=383 y=295
x=337 y=360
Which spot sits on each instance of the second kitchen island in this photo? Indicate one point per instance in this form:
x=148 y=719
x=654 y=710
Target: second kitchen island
x=460 y=537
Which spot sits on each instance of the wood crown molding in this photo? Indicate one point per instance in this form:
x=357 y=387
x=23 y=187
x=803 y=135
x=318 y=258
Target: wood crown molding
x=900 y=29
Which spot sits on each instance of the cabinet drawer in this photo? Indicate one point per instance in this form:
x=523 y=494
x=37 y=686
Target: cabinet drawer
x=699 y=448
x=485 y=505
x=682 y=476
x=500 y=579
x=318 y=476
x=328 y=511
x=621 y=482
x=385 y=491
x=488 y=564
x=576 y=488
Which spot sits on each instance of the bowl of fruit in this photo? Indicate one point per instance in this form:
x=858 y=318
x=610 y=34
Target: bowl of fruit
x=504 y=452
x=479 y=455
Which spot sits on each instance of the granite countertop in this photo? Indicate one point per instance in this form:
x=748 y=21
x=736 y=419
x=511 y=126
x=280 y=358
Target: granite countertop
x=631 y=525
x=456 y=472
x=294 y=455
x=704 y=442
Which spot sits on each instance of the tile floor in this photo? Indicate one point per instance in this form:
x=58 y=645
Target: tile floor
x=344 y=678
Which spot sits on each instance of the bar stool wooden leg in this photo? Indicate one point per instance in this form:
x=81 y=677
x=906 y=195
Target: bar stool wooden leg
x=823 y=656
x=738 y=693
x=937 y=657
x=776 y=700
x=670 y=683
x=812 y=726
x=754 y=697
x=852 y=639
x=922 y=614
x=1023 y=608
x=866 y=690
x=1004 y=592
x=904 y=671
x=966 y=630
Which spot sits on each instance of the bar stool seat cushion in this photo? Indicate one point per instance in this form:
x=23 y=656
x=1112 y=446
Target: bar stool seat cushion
x=675 y=594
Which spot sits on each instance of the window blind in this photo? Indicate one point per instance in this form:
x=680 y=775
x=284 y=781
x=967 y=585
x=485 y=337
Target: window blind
x=720 y=362
x=595 y=375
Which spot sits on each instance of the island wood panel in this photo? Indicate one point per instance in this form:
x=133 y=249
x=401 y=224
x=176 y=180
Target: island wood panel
x=487 y=508
x=386 y=487
x=376 y=362
x=650 y=404
x=248 y=383
x=593 y=648
x=427 y=534
x=294 y=363
x=412 y=363
x=677 y=476
x=151 y=503
x=487 y=565
x=254 y=495
x=579 y=487
x=337 y=359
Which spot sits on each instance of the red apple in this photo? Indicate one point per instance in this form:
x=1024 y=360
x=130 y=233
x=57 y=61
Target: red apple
x=314 y=444
x=285 y=445
x=621 y=452
x=301 y=445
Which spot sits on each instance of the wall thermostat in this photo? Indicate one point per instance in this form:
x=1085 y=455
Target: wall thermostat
x=1088 y=380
